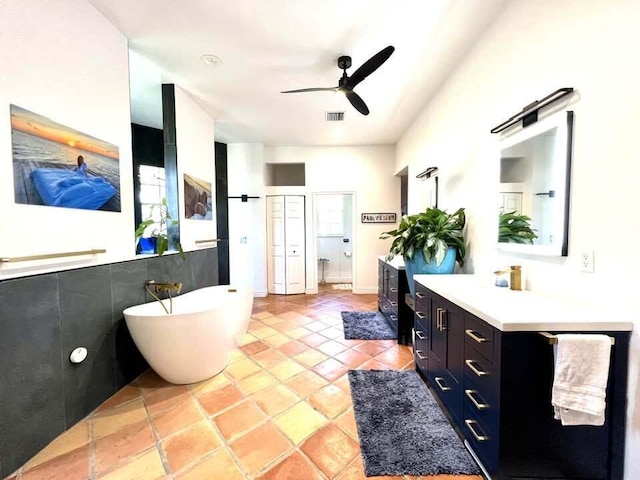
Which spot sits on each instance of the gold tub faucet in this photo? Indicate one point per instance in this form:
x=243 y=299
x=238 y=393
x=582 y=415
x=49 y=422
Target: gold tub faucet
x=165 y=287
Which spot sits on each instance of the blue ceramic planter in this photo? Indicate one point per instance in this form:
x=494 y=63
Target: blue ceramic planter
x=417 y=265
x=148 y=245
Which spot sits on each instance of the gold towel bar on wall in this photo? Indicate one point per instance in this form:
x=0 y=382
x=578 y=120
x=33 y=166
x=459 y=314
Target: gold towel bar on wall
x=198 y=242
x=51 y=255
x=552 y=339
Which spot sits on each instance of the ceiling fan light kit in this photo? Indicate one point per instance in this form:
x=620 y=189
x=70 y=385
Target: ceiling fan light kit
x=346 y=83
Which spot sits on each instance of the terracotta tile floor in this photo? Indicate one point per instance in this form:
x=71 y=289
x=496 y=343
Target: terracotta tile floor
x=281 y=409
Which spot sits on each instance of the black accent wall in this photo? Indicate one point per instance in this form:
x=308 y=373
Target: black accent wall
x=171 y=160
x=222 y=211
x=148 y=149
x=44 y=317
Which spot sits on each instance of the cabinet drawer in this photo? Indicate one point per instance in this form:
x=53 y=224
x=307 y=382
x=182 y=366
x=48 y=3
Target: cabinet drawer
x=392 y=320
x=447 y=389
x=480 y=335
x=392 y=274
x=481 y=375
x=422 y=296
x=385 y=307
x=422 y=316
x=393 y=296
x=421 y=345
x=483 y=440
x=476 y=406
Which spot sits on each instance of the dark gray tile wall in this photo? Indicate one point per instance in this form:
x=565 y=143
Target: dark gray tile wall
x=31 y=389
x=44 y=317
x=86 y=319
x=126 y=279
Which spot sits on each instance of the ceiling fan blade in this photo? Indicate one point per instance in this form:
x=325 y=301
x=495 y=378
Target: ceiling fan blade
x=302 y=90
x=357 y=102
x=370 y=66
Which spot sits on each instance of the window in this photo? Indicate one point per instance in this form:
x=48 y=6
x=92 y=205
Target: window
x=152 y=191
x=330 y=215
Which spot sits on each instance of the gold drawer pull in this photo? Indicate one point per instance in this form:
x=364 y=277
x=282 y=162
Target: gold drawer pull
x=419 y=335
x=394 y=290
x=420 y=356
x=471 y=426
x=470 y=395
x=419 y=295
x=443 y=388
x=420 y=315
x=476 y=336
x=474 y=369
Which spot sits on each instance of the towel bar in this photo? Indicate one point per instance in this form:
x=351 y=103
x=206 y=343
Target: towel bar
x=552 y=339
x=47 y=256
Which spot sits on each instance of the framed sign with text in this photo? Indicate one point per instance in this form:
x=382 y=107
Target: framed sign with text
x=378 y=218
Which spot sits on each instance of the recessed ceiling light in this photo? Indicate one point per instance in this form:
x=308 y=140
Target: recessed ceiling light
x=211 y=59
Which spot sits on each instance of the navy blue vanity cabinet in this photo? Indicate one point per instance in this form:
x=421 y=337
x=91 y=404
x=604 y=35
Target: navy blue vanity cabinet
x=481 y=387
x=392 y=288
x=495 y=388
x=446 y=353
x=422 y=334
x=381 y=283
x=392 y=298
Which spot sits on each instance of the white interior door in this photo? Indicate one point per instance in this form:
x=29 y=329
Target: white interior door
x=295 y=244
x=512 y=201
x=276 y=271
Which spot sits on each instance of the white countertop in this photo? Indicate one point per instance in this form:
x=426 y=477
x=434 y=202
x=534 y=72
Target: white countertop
x=521 y=311
x=396 y=262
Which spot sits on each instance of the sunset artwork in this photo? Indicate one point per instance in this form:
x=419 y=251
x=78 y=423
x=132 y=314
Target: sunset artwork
x=58 y=166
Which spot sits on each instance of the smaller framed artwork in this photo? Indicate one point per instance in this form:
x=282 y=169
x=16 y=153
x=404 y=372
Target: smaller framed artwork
x=197 y=198
x=378 y=218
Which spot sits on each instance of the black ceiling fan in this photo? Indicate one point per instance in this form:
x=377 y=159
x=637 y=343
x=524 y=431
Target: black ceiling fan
x=346 y=84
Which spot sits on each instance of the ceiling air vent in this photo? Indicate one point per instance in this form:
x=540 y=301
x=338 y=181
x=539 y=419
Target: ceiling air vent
x=334 y=116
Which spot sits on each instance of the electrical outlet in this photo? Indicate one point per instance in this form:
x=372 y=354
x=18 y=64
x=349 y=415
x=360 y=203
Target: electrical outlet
x=586 y=262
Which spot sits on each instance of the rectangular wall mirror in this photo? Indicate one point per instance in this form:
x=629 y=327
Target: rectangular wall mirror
x=535 y=172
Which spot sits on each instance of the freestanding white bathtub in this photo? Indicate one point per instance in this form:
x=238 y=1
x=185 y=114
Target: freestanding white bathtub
x=196 y=341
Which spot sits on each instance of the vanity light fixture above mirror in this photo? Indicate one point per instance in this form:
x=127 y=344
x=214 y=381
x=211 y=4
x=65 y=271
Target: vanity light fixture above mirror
x=529 y=114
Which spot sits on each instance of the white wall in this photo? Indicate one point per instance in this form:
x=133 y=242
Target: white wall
x=195 y=145
x=145 y=91
x=366 y=171
x=65 y=61
x=532 y=49
x=247 y=220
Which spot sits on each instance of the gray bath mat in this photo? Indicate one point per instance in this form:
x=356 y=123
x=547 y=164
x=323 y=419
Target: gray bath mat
x=401 y=428
x=366 y=326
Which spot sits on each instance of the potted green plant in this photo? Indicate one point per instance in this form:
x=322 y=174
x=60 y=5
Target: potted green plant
x=429 y=242
x=158 y=238
x=514 y=228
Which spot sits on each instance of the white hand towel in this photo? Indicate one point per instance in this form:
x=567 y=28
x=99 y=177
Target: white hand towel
x=580 y=380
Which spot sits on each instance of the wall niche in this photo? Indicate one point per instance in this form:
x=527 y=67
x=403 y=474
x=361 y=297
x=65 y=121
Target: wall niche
x=285 y=174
